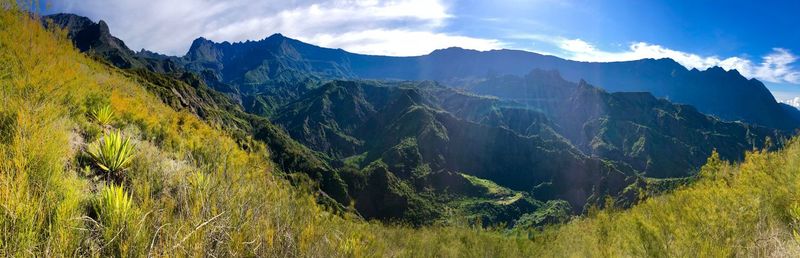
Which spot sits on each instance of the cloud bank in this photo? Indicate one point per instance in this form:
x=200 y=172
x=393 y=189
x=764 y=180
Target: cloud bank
x=400 y=27
x=795 y=102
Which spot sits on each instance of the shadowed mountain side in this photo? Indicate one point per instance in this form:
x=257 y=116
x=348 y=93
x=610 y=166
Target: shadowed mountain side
x=635 y=128
x=403 y=128
x=255 y=65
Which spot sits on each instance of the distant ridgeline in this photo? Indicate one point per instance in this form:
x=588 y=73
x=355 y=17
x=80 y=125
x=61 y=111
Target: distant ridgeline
x=499 y=136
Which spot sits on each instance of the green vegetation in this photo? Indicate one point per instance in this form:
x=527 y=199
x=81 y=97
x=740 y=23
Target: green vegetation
x=113 y=153
x=103 y=115
x=114 y=206
x=115 y=211
x=193 y=190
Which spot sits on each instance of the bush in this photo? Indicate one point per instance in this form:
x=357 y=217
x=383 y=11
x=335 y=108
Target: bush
x=113 y=153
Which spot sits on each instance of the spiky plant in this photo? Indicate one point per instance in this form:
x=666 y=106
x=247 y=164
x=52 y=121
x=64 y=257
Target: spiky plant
x=114 y=206
x=112 y=153
x=115 y=212
x=103 y=115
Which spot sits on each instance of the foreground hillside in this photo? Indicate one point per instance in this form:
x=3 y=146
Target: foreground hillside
x=749 y=209
x=191 y=189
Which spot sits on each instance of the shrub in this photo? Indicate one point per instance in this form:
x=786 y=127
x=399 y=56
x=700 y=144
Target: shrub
x=103 y=115
x=113 y=153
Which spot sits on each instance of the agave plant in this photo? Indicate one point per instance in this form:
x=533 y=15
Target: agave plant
x=113 y=153
x=114 y=206
x=103 y=115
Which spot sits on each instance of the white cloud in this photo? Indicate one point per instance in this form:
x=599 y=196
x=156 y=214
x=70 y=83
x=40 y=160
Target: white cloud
x=170 y=26
x=400 y=42
x=795 y=102
x=775 y=67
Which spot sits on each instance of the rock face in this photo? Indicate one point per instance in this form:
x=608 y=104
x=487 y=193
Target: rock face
x=96 y=39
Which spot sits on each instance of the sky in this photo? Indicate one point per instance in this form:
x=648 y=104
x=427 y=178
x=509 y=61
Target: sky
x=760 y=39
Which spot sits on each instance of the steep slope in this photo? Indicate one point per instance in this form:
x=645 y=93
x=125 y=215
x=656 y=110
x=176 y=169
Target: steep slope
x=258 y=64
x=399 y=127
x=749 y=209
x=184 y=90
x=95 y=38
x=191 y=189
x=635 y=128
x=196 y=192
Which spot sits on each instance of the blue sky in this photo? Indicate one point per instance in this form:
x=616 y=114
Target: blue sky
x=758 y=38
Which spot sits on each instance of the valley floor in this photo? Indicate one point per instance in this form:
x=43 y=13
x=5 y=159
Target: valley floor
x=191 y=190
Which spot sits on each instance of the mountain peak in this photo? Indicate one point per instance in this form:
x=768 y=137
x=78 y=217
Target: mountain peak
x=716 y=69
x=103 y=28
x=452 y=50
x=201 y=49
x=277 y=36
x=201 y=41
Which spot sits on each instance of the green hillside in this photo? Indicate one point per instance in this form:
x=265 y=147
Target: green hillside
x=401 y=130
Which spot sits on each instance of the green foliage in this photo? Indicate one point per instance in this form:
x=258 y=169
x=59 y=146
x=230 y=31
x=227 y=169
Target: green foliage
x=103 y=115
x=116 y=213
x=112 y=153
x=114 y=206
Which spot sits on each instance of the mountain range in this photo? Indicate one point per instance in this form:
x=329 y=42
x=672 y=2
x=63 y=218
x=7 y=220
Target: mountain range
x=257 y=64
x=497 y=136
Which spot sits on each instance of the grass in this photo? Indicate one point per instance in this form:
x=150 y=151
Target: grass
x=490 y=187
x=192 y=190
